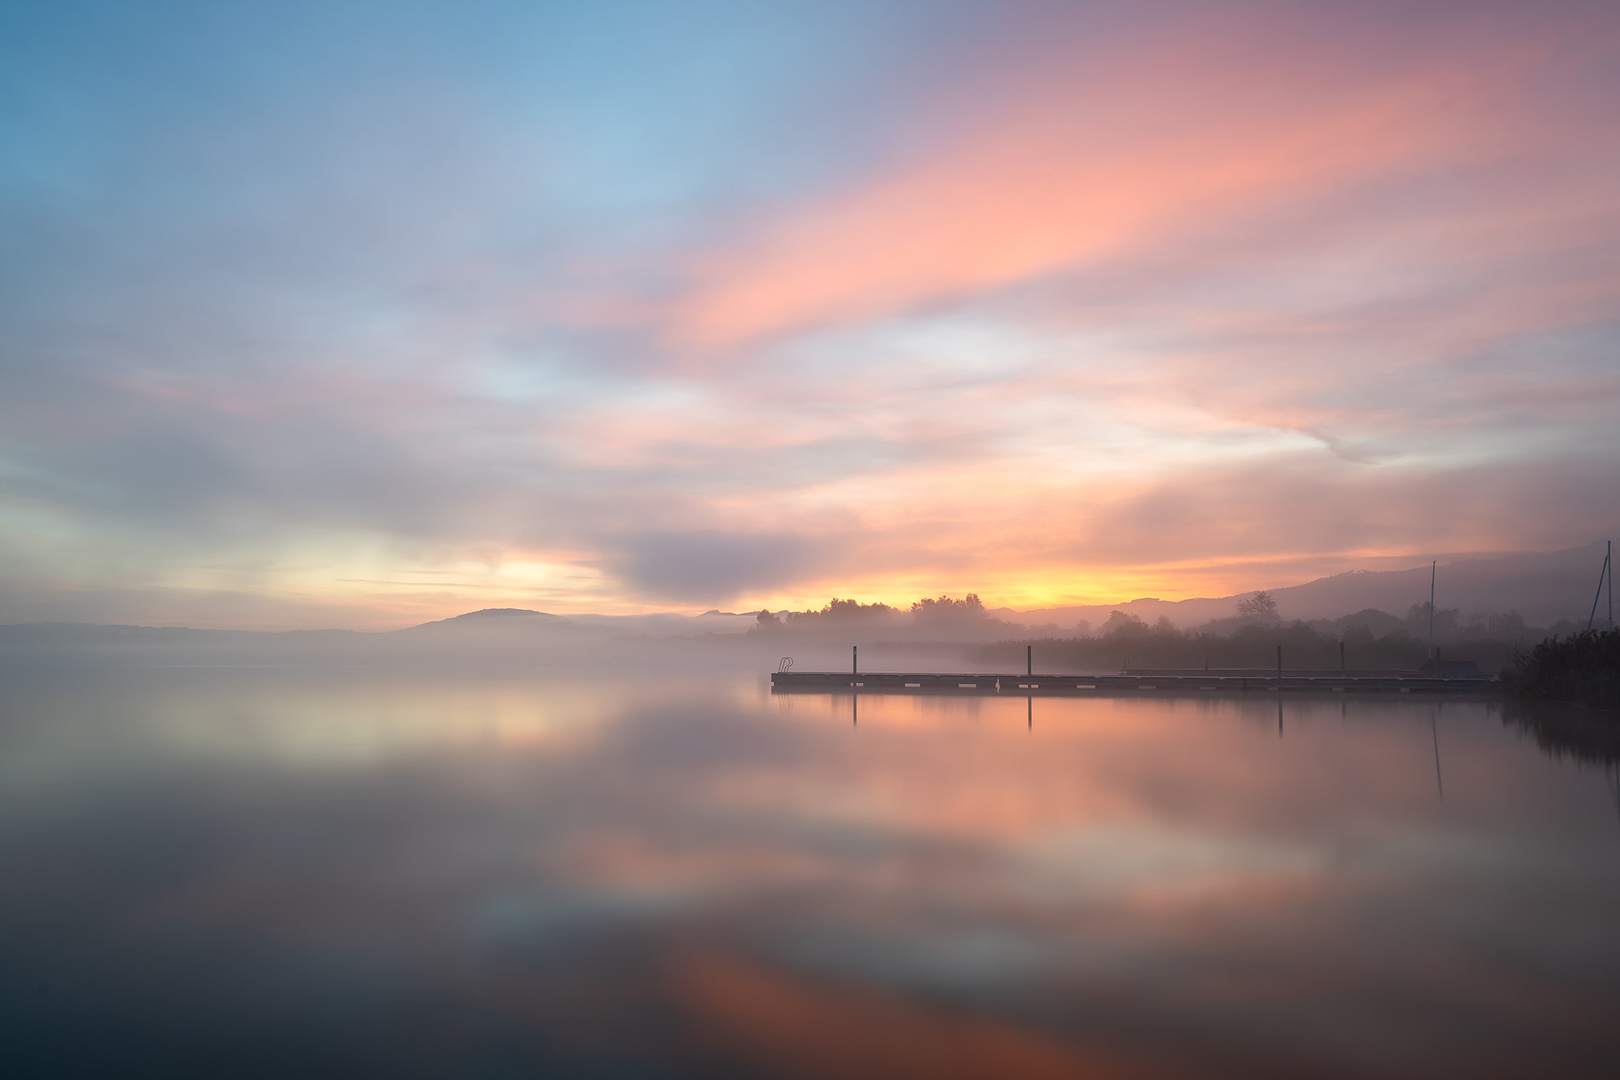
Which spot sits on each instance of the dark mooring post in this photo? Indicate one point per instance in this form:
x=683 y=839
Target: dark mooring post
x=1029 y=659
x=854 y=659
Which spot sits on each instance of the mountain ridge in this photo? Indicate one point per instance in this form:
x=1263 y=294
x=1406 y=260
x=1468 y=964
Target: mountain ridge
x=1543 y=587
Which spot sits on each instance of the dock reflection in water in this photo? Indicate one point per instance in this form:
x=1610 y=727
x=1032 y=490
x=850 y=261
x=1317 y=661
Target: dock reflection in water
x=242 y=874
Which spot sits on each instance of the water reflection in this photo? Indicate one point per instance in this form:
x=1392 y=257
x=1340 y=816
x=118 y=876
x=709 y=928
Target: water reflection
x=1434 y=734
x=259 y=873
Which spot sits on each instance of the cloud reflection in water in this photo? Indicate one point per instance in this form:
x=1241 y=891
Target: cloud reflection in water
x=262 y=872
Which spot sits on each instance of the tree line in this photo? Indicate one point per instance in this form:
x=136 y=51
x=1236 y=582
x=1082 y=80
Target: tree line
x=1366 y=640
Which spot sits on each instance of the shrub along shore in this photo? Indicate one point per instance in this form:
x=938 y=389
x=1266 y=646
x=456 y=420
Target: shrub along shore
x=1366 y=641
x=1582 y=669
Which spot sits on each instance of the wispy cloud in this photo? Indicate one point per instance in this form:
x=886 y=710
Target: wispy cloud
x=1049 y=303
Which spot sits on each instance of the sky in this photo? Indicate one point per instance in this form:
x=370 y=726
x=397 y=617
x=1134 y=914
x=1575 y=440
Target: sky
x=348 y=314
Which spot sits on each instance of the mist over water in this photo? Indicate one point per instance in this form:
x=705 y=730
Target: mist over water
x=425 y=427
x=659 y=868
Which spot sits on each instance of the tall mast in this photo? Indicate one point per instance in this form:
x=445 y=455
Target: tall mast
x=1432 y=568
x=1607 y=573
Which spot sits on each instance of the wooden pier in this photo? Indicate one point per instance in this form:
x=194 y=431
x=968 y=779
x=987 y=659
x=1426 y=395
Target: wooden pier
x=822 y=682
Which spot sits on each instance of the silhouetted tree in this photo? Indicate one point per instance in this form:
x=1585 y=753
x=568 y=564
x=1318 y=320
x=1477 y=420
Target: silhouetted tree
x=970 y=607
x=1120 y=624
x=1445 y=619
x=1259 y=608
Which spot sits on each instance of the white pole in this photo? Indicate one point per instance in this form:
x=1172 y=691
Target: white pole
x=1432 y=570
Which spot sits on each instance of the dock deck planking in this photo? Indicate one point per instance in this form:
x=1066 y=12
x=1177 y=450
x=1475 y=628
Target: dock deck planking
x=825 y=681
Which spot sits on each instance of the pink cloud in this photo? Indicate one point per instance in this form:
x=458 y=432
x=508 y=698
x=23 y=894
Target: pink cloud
x=1092 y=159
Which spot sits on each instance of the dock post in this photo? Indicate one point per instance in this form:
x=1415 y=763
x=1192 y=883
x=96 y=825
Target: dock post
x=1029 y=659
x=854 y=659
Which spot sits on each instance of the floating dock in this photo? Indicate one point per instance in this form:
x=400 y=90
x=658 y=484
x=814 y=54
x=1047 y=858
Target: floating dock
x=822 y=682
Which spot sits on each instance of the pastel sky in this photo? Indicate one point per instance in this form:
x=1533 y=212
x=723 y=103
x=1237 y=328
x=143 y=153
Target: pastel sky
x=339 y=314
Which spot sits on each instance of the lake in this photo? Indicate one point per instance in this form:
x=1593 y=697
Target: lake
x=240 y=871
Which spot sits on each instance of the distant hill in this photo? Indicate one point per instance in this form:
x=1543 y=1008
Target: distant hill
x=488 y=617
x=1544 y=587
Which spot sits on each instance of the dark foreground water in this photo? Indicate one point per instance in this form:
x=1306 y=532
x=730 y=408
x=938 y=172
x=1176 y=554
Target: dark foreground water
x=259 y=873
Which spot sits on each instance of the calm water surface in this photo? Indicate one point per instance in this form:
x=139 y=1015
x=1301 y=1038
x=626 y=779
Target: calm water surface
x=239 y=872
